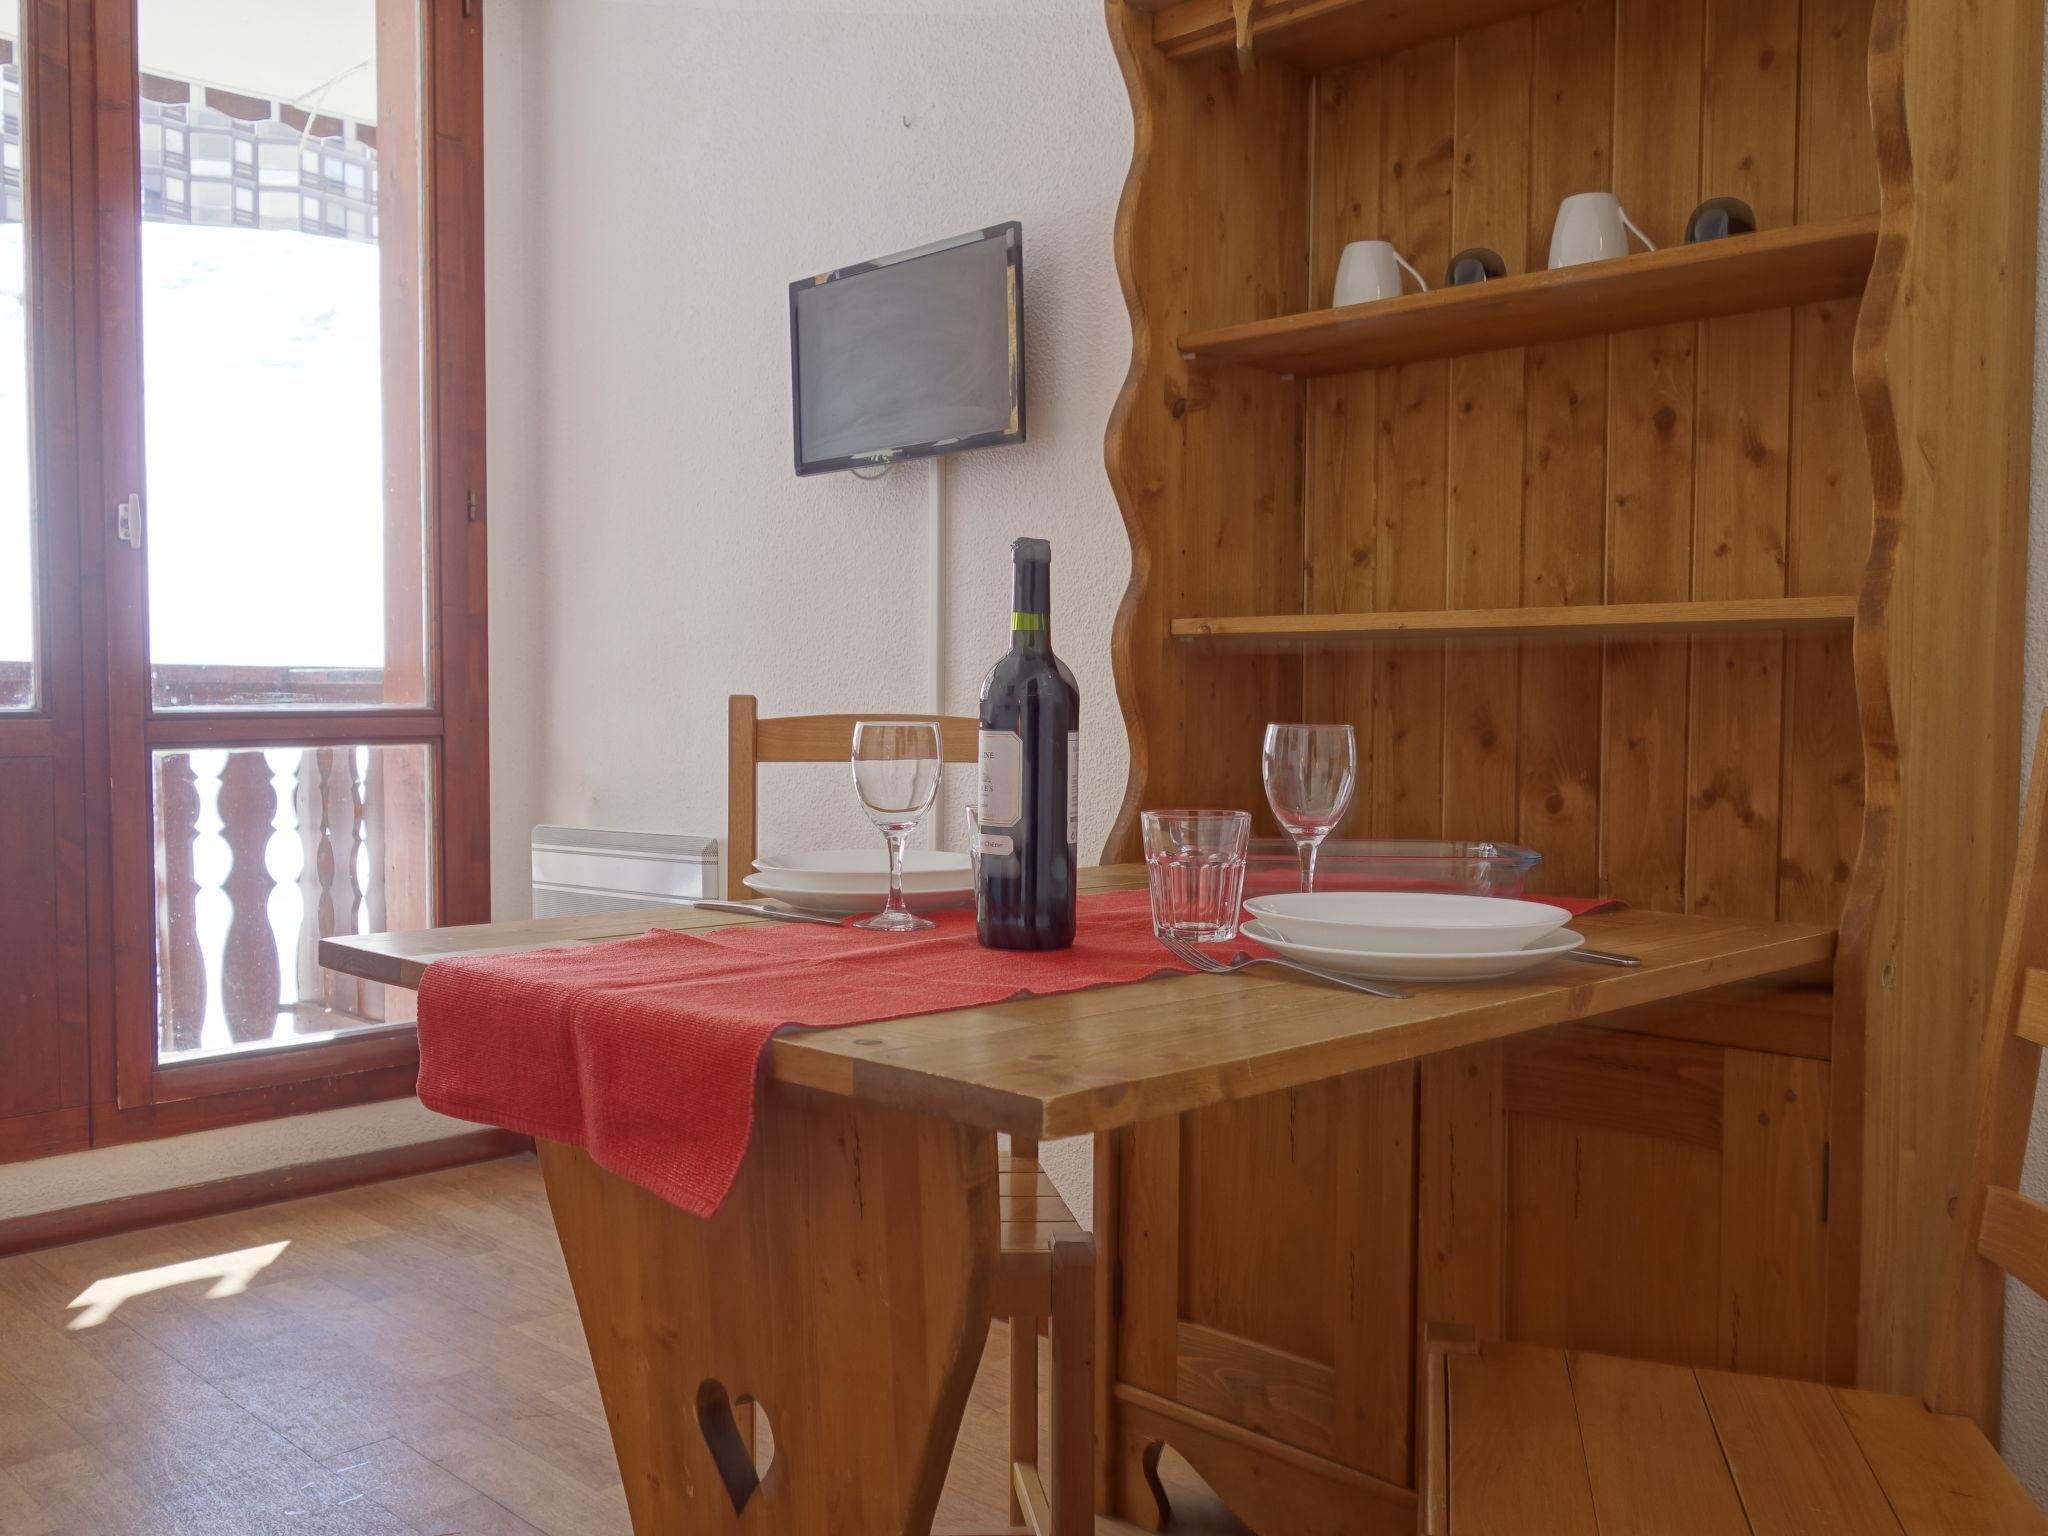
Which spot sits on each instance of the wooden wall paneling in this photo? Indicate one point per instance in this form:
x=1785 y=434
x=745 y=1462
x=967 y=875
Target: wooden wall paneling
x=1341 y=425
x=1243 y=536
x=1748 y=149
x=1774 y=1249
x=1830 y=531
x=1414 y=425
x=1828 y=536
x=1206 y=462
x=1944 y=375
x=1565 y=469
x=1489 y=206
x=1651 y=402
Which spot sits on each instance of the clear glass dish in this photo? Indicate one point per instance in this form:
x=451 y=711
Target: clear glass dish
x=1387 y=864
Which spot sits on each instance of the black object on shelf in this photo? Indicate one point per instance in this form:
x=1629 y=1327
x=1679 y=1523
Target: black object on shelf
x=1475 y=264
x=1718 y=218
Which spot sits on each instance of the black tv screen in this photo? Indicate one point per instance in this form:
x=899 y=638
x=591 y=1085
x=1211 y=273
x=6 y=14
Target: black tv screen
x=915 y=354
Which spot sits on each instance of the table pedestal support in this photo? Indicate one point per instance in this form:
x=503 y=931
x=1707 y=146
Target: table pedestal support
x=844 y=1287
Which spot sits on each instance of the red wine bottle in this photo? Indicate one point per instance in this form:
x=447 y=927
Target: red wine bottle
x=1029 y=799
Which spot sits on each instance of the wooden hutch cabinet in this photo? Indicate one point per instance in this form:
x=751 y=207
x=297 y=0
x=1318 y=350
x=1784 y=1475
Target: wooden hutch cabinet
x=1701 y=571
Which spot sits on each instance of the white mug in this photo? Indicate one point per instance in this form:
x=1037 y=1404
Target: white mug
x=1592 y=226
x=1371 y=269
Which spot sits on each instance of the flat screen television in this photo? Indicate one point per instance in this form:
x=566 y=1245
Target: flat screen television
x=915 y=354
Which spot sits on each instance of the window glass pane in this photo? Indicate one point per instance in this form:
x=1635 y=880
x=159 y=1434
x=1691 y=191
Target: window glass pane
x=17 y=542
x=261 y=853
x=287 y=559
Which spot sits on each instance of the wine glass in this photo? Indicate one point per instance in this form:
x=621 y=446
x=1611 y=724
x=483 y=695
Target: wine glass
x=896 y=765
x=1309 y=771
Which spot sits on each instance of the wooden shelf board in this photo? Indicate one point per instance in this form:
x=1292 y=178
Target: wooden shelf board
x=1769 y=270
x=1589 y=621
x=1320 y=34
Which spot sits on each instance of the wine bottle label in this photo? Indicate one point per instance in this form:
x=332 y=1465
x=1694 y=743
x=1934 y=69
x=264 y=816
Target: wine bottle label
x=995 y=845
x=1073 y=786
x=1002 y=779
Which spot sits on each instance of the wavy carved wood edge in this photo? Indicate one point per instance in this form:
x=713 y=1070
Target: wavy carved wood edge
x=1929 y=336
x=1131 y=51
x=1857 y=940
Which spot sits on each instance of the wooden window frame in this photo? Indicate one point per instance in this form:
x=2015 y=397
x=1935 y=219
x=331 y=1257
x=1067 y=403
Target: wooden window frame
x=57 y=728
x=85 y=222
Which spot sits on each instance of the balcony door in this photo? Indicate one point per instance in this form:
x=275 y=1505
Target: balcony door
x=275 y=510
x=44 y=1082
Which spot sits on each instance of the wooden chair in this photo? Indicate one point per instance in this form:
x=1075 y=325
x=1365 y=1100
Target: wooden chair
x=1534 y=1440
x=1033 y=1281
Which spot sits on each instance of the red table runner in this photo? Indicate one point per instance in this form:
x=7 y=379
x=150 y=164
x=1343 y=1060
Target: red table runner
x=643 y=1051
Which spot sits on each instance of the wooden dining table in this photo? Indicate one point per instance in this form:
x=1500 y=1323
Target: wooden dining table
x=848 y=1282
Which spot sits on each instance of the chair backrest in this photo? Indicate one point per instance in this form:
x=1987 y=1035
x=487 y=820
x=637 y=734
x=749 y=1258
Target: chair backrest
x=1999 y=1231
x=751 y=741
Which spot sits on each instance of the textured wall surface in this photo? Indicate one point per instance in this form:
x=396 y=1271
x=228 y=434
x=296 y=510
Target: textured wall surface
x=687 y=160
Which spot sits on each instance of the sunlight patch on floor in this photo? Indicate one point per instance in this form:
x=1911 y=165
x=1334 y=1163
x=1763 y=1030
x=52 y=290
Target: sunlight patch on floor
x=230 y=1273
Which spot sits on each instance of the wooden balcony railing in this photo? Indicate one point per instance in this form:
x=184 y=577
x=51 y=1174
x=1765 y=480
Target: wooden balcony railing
x=260 y=854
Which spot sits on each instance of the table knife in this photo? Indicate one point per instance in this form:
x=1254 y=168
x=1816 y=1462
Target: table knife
x=756 y=909
x=1604 y=957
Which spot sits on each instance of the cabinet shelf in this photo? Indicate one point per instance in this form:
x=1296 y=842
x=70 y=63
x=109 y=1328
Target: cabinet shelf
x=1589 y=621
x=1320 y=34
x=1769 y=270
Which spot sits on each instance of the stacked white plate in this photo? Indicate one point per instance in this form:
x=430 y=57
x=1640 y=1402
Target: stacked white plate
x=857 y=879
x=1411 y=935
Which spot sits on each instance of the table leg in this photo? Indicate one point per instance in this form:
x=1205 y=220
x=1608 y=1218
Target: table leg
x=843 y=1288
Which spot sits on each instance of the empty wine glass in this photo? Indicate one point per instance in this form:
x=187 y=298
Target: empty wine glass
x=896 y=765
x=1309 y=771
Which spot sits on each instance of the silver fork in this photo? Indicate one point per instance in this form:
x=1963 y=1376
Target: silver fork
x=1215 y=967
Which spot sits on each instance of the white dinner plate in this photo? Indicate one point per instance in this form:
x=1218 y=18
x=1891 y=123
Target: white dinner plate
x=1424 y=966
x=1406 y=922
x=859 y=870
x=808 y=900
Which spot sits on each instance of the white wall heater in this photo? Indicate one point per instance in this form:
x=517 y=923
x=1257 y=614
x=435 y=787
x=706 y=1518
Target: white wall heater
x=594 y=869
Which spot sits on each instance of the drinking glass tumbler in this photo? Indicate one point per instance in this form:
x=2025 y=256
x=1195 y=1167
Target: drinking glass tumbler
x=1194 y=863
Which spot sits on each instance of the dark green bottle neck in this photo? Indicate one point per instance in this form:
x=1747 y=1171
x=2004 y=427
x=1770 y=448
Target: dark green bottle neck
x=1031 y=607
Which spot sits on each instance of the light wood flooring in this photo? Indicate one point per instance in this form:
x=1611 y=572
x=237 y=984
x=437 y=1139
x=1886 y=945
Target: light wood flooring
x=399 y=1360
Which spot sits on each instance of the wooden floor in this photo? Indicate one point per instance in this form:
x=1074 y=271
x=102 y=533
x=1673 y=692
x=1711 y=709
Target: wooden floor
x=399 y=1360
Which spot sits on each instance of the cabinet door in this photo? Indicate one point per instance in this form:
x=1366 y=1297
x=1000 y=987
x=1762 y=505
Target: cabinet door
x=1266 y=1252
x=1629 y=1194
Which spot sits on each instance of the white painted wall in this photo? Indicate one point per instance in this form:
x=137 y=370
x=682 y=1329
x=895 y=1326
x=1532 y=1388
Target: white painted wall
x=679 y=559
